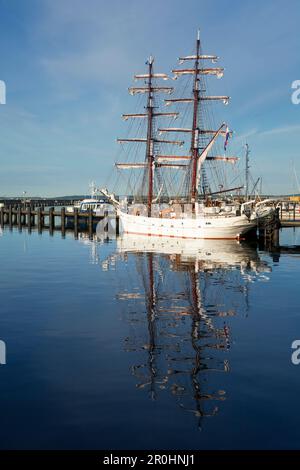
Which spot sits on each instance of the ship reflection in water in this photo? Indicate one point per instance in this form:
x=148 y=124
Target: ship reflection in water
x=180 y=308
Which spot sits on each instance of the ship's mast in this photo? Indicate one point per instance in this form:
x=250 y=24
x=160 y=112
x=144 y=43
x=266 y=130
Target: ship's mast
x=150 y=159
x=247 y=167
x=149 y=145
x=195 y=130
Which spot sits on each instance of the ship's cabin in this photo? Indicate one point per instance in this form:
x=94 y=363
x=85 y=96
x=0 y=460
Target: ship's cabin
x=88 y=204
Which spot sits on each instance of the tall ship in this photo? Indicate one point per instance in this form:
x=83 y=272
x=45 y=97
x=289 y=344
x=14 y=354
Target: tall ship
x=172 y=195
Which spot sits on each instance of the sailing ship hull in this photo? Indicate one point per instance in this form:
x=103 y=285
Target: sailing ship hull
x=191 y=228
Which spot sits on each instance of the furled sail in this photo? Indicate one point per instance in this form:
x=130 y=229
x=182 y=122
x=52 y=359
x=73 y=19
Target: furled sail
x=213 y=58
x=137 y=90
x=178 y=100
x=144 y=76
x=121 y=141
x=207 y=71
x=175 y=158
x=129 y=166
x=144 y=115
x=174 y=142
x=174 y=129
x=176 y=166
x=211 y=131
x=170 y=158
x=225 y=99
x=127 y=116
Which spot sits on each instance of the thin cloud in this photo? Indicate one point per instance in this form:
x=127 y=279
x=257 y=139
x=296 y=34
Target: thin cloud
x=281 y=130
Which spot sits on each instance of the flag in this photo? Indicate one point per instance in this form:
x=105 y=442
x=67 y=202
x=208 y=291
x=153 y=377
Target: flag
x=226 y=138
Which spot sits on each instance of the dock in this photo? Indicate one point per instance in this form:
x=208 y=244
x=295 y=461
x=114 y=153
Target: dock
x=52 y=219
x=289 y=214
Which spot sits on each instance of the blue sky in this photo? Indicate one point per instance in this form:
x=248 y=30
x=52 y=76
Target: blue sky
x=67 y=65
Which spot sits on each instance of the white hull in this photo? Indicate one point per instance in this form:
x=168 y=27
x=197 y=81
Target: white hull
x=221 y=227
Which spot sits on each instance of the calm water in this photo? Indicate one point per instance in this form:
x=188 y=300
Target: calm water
x=180 y=347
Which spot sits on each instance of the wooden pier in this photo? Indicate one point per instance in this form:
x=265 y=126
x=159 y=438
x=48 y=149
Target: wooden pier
x=290 y=214
x=268 y=230
x=52 y=219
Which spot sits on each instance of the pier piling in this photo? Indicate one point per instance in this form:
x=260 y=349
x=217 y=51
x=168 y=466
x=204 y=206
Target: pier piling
x=10 y=221
x=29 y=217
x=39 y=219
x=19 y=218
x=63 y=221
x=90 y=223
x=2 y=216
x=75 y=222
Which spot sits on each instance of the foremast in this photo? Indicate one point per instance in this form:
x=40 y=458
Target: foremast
x=151 y=162
x=149 y=145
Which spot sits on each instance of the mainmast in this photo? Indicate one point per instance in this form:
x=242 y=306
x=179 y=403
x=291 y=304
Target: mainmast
x=195 y=130
x=149 y=147
x=197 y=157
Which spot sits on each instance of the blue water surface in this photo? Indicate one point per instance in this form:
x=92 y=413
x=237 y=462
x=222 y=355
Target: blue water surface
x=115 y=348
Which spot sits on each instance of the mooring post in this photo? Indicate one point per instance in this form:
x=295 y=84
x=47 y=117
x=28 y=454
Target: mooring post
x=39 y=219
x=10 y=215
x=51 y=219
x=63 y=220
x=29 y=217
x=14 y=215
x=75 y=221
x=43 y=216
x=294 y=211
x=90 y=222
x=32 y=215
x=19 y=217
x=2 y=216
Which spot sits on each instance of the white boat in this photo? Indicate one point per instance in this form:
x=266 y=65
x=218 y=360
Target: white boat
x=98 y=206
x=197 y=215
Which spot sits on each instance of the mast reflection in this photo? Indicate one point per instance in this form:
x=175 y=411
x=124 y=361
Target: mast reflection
x=180 y=316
